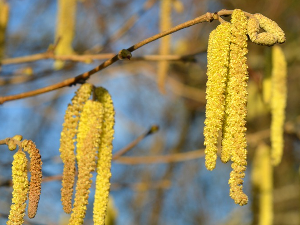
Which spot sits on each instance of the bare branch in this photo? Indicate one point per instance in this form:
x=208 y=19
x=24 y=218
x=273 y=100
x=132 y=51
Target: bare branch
x=208 y=17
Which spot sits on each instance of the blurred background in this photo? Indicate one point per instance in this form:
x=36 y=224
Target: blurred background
x=147 y=188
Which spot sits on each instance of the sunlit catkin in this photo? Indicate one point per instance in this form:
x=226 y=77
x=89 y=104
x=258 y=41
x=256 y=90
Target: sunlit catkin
x=104 y=157
x=67 y=140
x=65 y=28
x=164 y=49
x=271 y=27
x=36 y=176
x=217 y=74
x=278 y=103
x=264 y=38
x=262 y=180
x=234 y=130
x=20 y=189
x=90 y=123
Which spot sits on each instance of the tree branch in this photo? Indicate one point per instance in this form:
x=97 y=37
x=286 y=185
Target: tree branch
x=208 y=17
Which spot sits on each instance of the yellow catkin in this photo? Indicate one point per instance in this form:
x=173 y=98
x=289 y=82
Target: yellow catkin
x=271 y=27
x=264 y=38
x=36 y=176
x=67 y=143
x=65 y=29
x=104 y=157
x=266 y=82
x=4 y=16
x=112 y=212
x=178 y=6
x=234 y=130
x=20 y=189
x=90 y=123
x=217 y=74
x=262 y=180
x=164 y=49
x=278 y=103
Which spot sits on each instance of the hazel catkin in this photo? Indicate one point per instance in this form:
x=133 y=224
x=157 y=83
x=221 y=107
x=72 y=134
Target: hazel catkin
x=278 y=103
x=36 y=176
x=104 y=157
x=90 y=125
x=217 y=75
x=67 y=140
x=65 y=29
x=20 y=189
x=264 y=38
x=234 y=130
x=270 y=26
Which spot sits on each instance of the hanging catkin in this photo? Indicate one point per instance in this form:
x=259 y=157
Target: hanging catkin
x=234 y=131
x=90 y=123
x=65 y=29
x=278 y=103
x=262 y=180
x=104 y=157
x=36 y=176
x=164 y=49
x=4 y=16
x=20 y=189
x=217 y=74
x=67 y=140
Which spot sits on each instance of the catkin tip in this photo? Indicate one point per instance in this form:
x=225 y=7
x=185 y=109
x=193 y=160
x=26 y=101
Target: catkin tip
x=273 y=33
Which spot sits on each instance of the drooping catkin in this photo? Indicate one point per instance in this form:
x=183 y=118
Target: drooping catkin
x=65 y=29
x=278 y=103
x=273 y=33
x=90 y=123
x=262 y=180
x=67 y=140
x=36 y=176
x=267 y=77
x=104 y=157
x=270 y=26
x=112 y=212
x=164 y=49
x=264 y=38
x=234 y=130
x=20 y=189
x=217 y=74
x=4 y=16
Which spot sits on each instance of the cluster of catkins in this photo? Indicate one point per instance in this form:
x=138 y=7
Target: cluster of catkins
x=21 y=186
x=227 y=91
x=90 y=124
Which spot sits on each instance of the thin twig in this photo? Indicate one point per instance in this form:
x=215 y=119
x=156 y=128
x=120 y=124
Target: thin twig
x=208 y=17
x=4 y=141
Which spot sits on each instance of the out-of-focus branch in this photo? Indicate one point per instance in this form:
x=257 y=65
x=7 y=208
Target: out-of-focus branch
x=152 y=130
x=51 y=55
x=177 y=157
x=186 y=91
x=141 y=186
x=208 y=17
x=127 y=25
x=184 y=156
